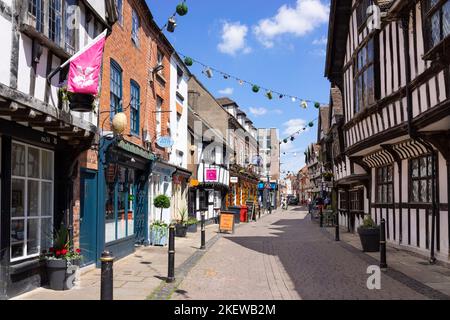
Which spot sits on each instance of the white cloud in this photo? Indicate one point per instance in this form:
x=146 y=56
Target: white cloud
x=299 y=21
x=278 y=111
x=234 y=39
x=293 y=126
x=319 y=52
x=226 y=91
x=320 y=42
x=258 y=111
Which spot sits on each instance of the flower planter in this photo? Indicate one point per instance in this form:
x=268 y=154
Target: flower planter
x=192 y=228
x=370 y=239
x=61 y=273
x=158 y=235
x=180 y=230
x=81 y=102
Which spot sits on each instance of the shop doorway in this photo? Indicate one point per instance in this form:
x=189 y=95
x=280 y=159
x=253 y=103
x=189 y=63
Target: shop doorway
x=88 y=216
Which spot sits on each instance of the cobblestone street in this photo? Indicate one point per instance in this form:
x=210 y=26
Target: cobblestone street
x=286 y=256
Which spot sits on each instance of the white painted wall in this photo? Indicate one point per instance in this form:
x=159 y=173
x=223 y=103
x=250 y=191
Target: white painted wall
x=178 y=129
x=5 y=53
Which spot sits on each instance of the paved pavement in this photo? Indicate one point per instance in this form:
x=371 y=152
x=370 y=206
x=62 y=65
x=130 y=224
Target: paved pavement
x=135 y=276
x=286 y=256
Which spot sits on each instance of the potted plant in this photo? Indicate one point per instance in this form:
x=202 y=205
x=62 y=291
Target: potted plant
x=369 y=234
x=181 y=224
x=158 y=233
x=61 y=261
x=162 y=202
x=79 y=102
x=192 y=224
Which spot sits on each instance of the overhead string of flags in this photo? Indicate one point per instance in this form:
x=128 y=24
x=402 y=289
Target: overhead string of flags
x=292 y=137
x=209 y=72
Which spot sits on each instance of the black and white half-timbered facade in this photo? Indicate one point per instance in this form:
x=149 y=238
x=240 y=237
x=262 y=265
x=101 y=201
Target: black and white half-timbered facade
x=41 y=139
x=390 y=64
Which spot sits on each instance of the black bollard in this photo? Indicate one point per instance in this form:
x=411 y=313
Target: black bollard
x=337 y=227
x=171 y=272
x=203 y=238
x=383 y=264
x=321 y=217
x=106 y=285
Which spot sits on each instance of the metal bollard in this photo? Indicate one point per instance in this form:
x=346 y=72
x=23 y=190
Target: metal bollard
x=321 y=217
x=106 y=286
x=203 y=237
x=171 y=272
x=383 y=264
x=337 y=227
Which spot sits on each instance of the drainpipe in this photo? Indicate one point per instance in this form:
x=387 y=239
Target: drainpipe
x=414 y=135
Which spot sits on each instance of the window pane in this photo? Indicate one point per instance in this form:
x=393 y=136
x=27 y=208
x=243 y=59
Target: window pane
x=389 y=195
x=17 y=238
x=46 y=199
x=33 y=236
x=415 y=192
x=370 y=85
x=423 y=191
x=429 y=191
x=446 y=19
x=435 y=29
x=33 y=198
x=17 y=197
x=46 y=233
x=18 y=160
x=110 y=220
x=423 y=167
x=430 y=167
x=370 y=51
x=47 y=165
x=121 y=214
x=415 y=168
x=33 y=163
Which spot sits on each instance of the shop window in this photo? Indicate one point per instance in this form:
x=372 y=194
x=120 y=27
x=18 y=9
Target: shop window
x=356 y=200
x=421 y=179
x=384 y=182
x=436 y=16
x=31 y=200
x=120 y=206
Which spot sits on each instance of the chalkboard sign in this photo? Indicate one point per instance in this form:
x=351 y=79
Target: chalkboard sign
x=251 y=210
x=226 y=222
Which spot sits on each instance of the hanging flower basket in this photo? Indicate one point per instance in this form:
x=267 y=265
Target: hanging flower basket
x=182 y=9
x=188 y=61
x=81 y=102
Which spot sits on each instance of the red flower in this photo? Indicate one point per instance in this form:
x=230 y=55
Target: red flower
x=78 y=251
x=64 y=252
x=58 y=253
x=51 y=249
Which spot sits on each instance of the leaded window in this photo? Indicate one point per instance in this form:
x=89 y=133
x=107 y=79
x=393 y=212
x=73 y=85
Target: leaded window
x=36 y=9
x=436 y=16
x=135 y=28
x=356 y=200
x=421 y=179
x=365 y=77
x=384 y=183
x=54 y=20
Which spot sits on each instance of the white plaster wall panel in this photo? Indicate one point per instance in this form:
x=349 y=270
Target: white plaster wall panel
x=442 y=91
x=398 y=111
x=5 y=54
x=423 y=98
x=443 y=187
x=388 y=64
x=23 y=76
x=413 y=228
x=433 y=97
x=416 y=102
x=41 y=76
x=420 y=47
x=444 y=231
x=404 y=226
x=422 y=222
x=53 y=99
x=412 y=52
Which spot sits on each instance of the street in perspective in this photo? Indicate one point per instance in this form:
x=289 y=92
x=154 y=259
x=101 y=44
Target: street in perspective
x=232 y=153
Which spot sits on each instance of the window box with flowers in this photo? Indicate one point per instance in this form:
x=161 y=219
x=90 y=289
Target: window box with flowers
x=62 y=261
x=79 y=102
x=327 y=176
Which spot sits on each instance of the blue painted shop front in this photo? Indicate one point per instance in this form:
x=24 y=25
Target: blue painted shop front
x=122 y=193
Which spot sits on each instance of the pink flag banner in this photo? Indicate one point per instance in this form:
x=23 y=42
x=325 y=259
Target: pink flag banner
x=84 y=70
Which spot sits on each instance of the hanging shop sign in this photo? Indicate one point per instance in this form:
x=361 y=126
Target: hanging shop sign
x=211 y=175
x=234 y=179
x=194 y=183
x=165 y=142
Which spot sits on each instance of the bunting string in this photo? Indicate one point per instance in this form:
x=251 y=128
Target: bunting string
x=209 y=72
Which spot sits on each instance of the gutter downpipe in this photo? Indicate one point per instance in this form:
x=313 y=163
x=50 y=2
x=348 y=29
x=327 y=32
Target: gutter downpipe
x=415 y=135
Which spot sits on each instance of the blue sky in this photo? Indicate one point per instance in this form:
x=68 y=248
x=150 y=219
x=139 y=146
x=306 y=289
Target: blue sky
x=277 y=44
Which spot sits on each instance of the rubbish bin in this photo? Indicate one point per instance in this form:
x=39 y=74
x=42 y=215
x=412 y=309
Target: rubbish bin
x=237 y=213
x=243 y=212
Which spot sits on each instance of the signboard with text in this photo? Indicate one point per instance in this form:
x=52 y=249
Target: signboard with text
x=211 y=175
x=226 y=222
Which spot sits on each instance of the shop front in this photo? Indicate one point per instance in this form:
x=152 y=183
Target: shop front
x=37 y=174
x=268 y=193
x=122 y=194
x=243 y=187
x=180 y=186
